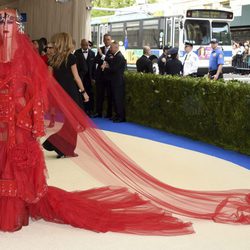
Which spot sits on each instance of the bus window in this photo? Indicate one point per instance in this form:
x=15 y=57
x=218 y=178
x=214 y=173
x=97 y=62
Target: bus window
x=133 y=34
x=221 y=32
x=103 y=29
x=176 y=32
x=168 y=32
x=198 y=31
x=150 y=33
x=94 y=35
x=117 y=32
x=162 y=33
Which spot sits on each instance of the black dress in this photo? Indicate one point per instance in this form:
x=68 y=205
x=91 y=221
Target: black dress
x=65 y=78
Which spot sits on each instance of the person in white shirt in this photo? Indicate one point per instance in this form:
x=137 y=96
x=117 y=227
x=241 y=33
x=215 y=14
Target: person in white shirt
x=241 y=49
x=191 y=61
x=154 y=60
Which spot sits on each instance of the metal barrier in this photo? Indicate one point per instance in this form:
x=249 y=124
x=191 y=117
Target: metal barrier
x=241 y=64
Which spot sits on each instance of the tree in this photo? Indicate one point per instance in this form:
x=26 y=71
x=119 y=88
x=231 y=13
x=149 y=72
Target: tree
x=112 y=4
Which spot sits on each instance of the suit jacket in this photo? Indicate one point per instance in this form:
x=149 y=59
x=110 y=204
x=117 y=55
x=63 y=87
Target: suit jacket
x=99 y=62
x=86 y=68
x=143 y=64
x=117 y=65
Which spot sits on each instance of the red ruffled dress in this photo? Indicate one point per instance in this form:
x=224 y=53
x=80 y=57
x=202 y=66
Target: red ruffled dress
x=22 y=167
x=23 y=187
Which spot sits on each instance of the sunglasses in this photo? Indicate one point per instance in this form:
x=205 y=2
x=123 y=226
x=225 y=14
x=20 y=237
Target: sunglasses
x=49 y=47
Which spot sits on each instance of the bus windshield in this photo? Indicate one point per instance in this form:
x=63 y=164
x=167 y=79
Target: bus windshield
x=221 y=32
x=198 y=31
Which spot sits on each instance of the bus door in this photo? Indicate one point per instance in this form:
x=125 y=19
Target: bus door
x=103 y=29
x=176 y=32
x=221 y=31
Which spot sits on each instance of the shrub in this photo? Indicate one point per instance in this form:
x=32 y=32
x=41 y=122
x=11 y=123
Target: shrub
x=216 y=112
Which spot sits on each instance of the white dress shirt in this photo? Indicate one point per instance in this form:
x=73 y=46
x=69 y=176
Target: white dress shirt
x=105 y=51
x=190 y=63
x=85 y=53
x=156 y=68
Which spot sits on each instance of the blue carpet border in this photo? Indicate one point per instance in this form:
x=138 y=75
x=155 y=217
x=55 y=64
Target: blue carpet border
x=172 y=139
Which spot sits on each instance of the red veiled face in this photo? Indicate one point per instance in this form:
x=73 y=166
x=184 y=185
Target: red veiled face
x=7 y=21
x=7 y=24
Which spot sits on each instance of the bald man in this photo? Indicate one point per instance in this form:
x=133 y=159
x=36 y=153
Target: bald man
x=144 y=64
x=85 y=59
x=115 y=66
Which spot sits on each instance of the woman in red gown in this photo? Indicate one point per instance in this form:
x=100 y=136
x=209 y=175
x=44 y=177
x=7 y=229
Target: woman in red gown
x=24 y=191
x=140 y=204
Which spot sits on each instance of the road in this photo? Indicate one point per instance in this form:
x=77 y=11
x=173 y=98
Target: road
x=243 y=78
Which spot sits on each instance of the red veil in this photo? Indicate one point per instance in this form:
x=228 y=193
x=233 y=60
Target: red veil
x=144 y=205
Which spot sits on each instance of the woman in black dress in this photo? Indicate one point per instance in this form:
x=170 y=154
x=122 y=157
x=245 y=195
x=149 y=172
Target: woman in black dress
x=63 y=66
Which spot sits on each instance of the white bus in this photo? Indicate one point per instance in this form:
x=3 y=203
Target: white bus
x=135 y=30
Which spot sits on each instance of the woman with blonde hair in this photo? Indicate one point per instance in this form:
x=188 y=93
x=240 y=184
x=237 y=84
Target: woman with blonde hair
x=63 y=66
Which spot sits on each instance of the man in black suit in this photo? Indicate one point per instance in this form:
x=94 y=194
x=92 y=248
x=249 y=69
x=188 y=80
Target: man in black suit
x=103 y=85
x=114 y=67
x=85 y=59
x=143 y=64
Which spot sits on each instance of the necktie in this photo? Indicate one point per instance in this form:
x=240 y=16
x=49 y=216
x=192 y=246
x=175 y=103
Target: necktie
x=185 y=59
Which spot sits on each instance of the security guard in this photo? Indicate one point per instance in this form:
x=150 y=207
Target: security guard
x=191 y=60
x=216 y=61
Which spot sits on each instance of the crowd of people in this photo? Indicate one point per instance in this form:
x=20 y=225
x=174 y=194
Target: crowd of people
x=104 y=70
x=241 y=55
x=169 y=63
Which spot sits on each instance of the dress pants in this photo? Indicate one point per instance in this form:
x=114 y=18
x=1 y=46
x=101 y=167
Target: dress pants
x=118 y=95
x=103 y=88
x=88 y=106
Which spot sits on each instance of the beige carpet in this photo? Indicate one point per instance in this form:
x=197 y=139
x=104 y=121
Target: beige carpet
x=175 y=166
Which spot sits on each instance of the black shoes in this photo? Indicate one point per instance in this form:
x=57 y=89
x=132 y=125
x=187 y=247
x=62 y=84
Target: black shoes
x=115 y=119
x=118 y=120
x=97 y=115
x=108 y=116
x=59 y=156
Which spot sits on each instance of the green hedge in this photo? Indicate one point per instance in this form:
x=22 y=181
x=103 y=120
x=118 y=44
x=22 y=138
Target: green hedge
x=216 y=112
